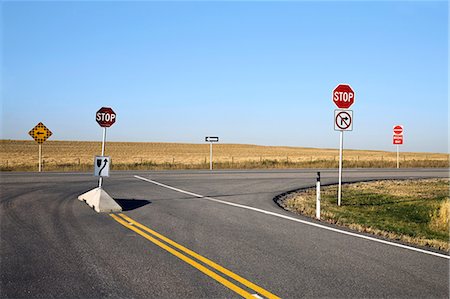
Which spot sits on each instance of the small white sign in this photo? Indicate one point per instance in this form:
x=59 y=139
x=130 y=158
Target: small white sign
x=343 y=120
x=101 y=166
x=211 y=139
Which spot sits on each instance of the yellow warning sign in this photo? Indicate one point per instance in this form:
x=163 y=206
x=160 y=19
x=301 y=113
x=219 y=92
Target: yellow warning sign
x=40 y=133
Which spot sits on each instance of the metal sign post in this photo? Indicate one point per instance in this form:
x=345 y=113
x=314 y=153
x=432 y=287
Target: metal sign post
x=210 y=156
x=105 y=117
x=40 y=157
x=343 y=97
x=211 y=140
x=98 y=198
x=100 y=179
x=343 y=121
x=397 y=139
x=341 y=145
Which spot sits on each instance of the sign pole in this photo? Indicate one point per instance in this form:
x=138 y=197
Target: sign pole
x=343 y=97
x=100 y=180
x=398 y=157
x=103 y=141
x=341 y=143
x=210 y=156
x=40 y=157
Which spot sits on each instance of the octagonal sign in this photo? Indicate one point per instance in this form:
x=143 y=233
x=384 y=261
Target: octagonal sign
x=343 y=96
x=105 y=117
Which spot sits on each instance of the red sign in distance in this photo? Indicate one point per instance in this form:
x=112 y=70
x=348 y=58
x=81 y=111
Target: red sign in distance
x=398 y=130
x=105 y=117
x=343 y=96
x=397 y=139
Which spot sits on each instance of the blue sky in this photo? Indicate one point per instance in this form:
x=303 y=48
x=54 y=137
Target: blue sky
x=249 y=72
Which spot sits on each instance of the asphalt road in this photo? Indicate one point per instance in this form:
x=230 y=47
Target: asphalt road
x=55 y=246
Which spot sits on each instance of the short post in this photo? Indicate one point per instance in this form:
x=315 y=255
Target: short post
x=318 y=196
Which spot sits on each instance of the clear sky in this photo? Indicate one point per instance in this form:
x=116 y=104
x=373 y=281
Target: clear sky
x=248 y=72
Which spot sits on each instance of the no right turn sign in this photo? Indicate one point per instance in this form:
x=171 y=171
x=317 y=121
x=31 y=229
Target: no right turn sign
x=343 y=120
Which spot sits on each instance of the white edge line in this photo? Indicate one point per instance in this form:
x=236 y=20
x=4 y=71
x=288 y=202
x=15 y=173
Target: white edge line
x=296 y=220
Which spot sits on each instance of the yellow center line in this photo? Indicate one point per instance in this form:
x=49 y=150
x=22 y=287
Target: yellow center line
x=210 y=263
x=186 y=259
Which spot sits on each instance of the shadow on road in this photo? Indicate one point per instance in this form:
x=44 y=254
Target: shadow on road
x=132 y=204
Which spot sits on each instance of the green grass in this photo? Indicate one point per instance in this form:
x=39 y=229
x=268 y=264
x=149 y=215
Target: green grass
x=405 y=210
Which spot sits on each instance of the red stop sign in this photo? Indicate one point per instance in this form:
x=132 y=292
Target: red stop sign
x=398 y=130
x=105 y=117
x=343 y=96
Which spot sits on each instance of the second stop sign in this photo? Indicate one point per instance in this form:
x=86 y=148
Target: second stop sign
x=343 y=96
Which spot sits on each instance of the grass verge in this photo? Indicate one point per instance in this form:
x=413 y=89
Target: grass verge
x=412 y=211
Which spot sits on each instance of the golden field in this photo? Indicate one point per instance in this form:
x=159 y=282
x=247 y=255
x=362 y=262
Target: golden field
x=73 y=155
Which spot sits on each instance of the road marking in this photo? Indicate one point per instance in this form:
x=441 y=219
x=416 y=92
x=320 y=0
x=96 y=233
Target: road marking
x=134 y=225
x=295 y=219
x=210 y=263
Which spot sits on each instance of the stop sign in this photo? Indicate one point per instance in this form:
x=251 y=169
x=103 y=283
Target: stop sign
x=398 y=130
x=343 y=96
x=105 y=117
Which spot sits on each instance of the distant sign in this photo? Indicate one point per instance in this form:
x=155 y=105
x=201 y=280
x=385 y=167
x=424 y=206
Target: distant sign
x=40 y=133
x=343 y=96
x=343 y=120
x=105 y=117
x=398 y=130
x=101 y=166
x=212 y=139
x=397 y=139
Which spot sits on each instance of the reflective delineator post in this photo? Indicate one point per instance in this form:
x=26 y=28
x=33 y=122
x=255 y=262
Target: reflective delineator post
x=318 y=196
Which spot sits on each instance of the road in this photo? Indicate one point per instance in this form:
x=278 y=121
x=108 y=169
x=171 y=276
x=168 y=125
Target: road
x=55 y=246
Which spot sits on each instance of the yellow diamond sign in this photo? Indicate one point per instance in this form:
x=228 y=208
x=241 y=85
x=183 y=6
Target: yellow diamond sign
x=40 y=133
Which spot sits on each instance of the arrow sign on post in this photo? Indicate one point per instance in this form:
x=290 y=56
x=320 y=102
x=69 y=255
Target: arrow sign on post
x=101 y=168
x=211 y=139
x=97 y=198
x=105 y=117
x=40 y=133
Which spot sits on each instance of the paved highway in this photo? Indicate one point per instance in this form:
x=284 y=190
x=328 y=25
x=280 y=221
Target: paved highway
x=196 y=234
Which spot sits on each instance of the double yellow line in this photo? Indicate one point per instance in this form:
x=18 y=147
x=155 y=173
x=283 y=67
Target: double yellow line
x=159 y=240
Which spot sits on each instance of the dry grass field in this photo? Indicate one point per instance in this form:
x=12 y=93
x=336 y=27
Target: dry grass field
x=79 y=155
